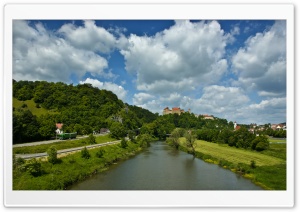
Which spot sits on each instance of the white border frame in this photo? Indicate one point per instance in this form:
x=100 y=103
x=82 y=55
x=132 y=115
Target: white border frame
x=147 y=198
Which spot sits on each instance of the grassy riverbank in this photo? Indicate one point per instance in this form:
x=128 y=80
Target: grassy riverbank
x=65 y=144
x=70 y=169
x=266 y=169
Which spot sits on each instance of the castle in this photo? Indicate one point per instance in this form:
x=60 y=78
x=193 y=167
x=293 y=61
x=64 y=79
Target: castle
x=178 y=110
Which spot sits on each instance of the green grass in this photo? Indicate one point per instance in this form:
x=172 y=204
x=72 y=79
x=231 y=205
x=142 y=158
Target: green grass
x=235 y=155
x=277 y=140
x=31 y=105
x=65 y=144
x=270 y=165
x=72 y=168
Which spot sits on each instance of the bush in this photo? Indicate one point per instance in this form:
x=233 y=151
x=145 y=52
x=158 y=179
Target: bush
x=123 y=143
x=34 y=167
x=253 y=164
x=85 y=153
x=91 y=139
x=100 y=153
x=52 y=155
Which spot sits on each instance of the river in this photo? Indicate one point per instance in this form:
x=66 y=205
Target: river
x=161 y=167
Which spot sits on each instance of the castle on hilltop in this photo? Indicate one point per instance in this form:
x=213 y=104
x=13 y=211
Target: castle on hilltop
x=173 y=111
x=178 y=110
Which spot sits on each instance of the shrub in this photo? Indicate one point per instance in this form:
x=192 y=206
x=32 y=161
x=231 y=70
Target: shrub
x=100 y=153
x=123 y=143
x=91 y=139
x=52 y=155
x=85 y=153
x=253 y=164
x=34 y=167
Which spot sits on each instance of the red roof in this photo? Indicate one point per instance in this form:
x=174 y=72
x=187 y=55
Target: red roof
x=237 y=127
x=59 y=125
x=176 y=108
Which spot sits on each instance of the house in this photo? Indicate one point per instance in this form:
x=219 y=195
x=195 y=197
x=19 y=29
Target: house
x=208 y=117
x=235 y=126
x=59 y=128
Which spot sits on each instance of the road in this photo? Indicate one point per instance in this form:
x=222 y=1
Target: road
x=50 y=141
x=65 y=151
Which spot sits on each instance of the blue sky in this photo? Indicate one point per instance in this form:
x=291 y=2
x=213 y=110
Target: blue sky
x=233 y=69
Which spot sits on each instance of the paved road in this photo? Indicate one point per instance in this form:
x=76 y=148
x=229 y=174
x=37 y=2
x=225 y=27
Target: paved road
x=63 y=151
x=50 y=141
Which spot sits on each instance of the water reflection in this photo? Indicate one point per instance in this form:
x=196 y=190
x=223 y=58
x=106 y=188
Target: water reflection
x=161 y=167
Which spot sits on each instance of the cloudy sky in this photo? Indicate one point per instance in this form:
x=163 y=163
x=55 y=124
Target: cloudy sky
x=230 y=69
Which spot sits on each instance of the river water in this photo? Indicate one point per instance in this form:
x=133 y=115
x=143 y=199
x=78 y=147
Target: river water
x=161 y=167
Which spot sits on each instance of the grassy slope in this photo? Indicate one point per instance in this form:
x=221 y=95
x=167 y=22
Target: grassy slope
x=31 y=106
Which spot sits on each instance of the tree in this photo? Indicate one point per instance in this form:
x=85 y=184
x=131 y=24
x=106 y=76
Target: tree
x=52 y=155
x=123 y=143
x=117 y=130
x=144 y=140
x=85 y=153
x=91 y=139
x=190 y=142
x=174 y=138
x=260 y=143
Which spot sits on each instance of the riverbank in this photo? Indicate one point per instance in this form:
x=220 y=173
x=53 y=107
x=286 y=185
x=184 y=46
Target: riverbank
x=263 y=168
x=69 y=169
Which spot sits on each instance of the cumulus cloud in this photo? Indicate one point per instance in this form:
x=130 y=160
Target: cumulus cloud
x=39 y=54
x=116 y=89
x=185 y=56
x=261 y=64
x=89 y=37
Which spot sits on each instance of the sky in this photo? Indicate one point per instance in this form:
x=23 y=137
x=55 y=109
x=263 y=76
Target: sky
x=232 y=69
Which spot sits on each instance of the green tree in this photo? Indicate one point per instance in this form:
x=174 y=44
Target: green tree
x=144 y=140
x=190 y=141
x=260 y=143
x=52 y=155
x=174 y=138
x=117 y=130
x=85 y=153
x=123 y=143
x=91 y=139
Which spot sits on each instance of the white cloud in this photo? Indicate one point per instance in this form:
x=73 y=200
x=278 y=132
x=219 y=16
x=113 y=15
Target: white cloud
x=261 y=64
x=185 y=56
x=141 y=98
x=116 y=89
x=90 y=37
x=39 y=54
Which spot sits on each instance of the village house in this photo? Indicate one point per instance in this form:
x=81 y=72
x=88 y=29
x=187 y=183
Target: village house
x=59 y=128
x=175 y=110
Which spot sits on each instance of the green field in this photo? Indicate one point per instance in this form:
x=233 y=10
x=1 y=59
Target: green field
x=65 y=144
x=31 y=105
x=269 y=170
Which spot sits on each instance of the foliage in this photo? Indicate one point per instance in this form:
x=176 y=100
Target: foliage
x=117 y=130
x=173 y=139
x=34 y=167
x=260 y=143
x=82 y=109
x=91 y=139
x=100 y=153
x=85 y=153
x=52 y=155
x=144 y=140
x=190 y=139
x=123 y=143
x=73 y=168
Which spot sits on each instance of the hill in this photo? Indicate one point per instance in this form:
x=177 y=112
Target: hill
x=84 y=109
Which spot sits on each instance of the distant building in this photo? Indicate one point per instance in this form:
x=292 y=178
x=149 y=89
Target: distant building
x=175 y=110
x=208 y=117
x=59 y=128
x=235 y=126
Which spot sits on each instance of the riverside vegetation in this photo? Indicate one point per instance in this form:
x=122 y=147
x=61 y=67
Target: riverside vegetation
x=84 y=109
